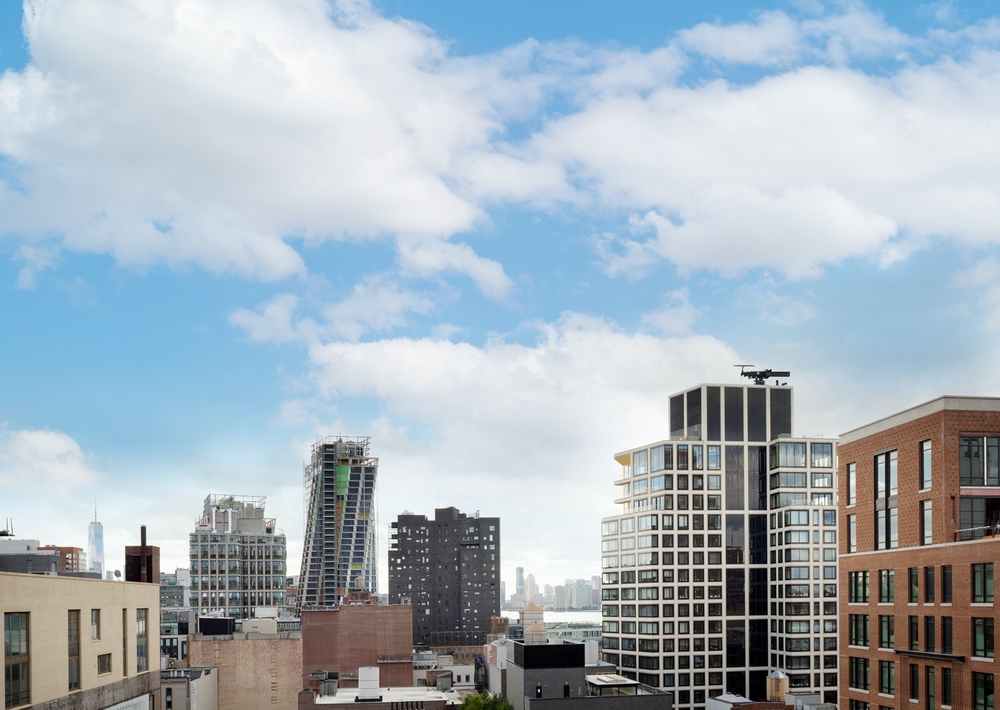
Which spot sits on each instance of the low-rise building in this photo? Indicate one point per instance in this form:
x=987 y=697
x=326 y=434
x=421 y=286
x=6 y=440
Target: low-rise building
x=345 y=638
x=554 y=676
x=78 y=643
x=189 y=689
x=256 y=671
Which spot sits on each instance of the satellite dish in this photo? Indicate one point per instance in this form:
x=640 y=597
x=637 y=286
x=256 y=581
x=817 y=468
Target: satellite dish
x=118 y=574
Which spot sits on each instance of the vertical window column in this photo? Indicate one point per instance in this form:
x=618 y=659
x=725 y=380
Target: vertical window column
x=17 y=660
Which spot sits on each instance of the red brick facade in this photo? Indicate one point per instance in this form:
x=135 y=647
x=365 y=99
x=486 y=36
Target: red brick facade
x=346 y=638
x=941 y=422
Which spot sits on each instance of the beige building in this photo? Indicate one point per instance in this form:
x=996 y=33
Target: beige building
x=82 y=643
x=257 y=671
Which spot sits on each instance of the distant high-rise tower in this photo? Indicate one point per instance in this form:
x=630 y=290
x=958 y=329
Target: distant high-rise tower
x=237 y=558
x=449 y=568
x=95 y=546
x=519 y=583
x=339 y=553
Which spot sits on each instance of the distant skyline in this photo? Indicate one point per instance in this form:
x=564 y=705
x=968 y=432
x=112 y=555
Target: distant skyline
x=492 y=238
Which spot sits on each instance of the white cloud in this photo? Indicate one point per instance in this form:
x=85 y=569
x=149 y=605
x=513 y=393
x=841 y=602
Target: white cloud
x=220 y=133
x=43 y=459
x=774 y=38
x=773 y=306
x=983 y=279
x=377 y=303
x=213 y=132
x=505 y=426
x=676 y=317
x=34 y=258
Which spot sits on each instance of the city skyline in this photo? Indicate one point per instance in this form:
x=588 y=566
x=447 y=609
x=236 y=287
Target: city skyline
x=494 y=240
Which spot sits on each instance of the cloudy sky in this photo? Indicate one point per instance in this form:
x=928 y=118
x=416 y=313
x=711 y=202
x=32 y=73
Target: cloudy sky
x=493 y=237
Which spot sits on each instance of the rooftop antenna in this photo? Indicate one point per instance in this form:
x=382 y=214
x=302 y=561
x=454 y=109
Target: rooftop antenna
x=759 y=377
x=8 y=530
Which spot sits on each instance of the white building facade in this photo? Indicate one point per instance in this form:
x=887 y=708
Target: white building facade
x=721 y=564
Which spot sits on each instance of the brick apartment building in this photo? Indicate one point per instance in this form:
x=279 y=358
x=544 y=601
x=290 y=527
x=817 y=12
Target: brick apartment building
x=919 y=507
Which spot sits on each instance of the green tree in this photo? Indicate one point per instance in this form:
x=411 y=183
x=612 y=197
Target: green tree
x=485 y=701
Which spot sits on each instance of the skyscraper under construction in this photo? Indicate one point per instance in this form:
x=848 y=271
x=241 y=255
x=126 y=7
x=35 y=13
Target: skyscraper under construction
x=340 y=522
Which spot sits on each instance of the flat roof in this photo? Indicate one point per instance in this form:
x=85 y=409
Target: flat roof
x=610 y=679
x=389 y=695
x=945 y=402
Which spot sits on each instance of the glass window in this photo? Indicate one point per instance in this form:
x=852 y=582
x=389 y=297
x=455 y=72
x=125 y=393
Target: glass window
x=887 y=677
x=887 y=631
x=788 y=454
x=946 y=584
x=95 y=624
x=141 y=640
x=926 y=469
x=926 y=527
x=982 y=691
x=639 y=467
x=852 y=533
x=714 y=458
x=73 y=637
x=982 y=637
x=17 y=660
x=822 y=480
x=982 y=583
x=914 y=585
x=822 y=455
x=852 y=483
x=887 y=586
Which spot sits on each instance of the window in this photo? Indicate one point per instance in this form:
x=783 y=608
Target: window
x=928 y=585
x=822 y=480
x=982 y=583
x=886 y=512
x=887 y=586
x=926 y=529
x=95 y=624
x=16 y=661
x=822 y=455
x=141 y=641
x=925 y=464
x=929 y=686
x=104 y=664
x=852 y=533
x=914 y=633
x=858 y=584
x=914 y=585
x=887 y=677
x=914 y=681
x=852 y=483
x=887 y=631
x=792 y=454
x=982 y=691
x=929 y=634
x=971 y=471
x=858 y=623
x=859 y=673
x=946 y=686
x=946 y=584
x=609 y=527
x=982 y=638
x=73 y=638
x=946 y=645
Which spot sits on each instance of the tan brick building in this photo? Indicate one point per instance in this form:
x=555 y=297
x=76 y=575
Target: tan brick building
x=256 y=671
x=79 y=643
x=919 y=502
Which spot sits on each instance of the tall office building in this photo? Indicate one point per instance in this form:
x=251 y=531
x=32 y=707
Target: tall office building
x=449 y=568
x=237 y=558
x=920 y=511
x=95 y=546
x=340 y=522
x=721 y=565
x=519 y=582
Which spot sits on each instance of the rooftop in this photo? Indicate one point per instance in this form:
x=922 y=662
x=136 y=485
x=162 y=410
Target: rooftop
x=946 y=402
x=390 y=695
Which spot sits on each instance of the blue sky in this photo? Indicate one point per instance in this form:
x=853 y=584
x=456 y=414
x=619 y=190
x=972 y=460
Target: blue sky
x=492 y=238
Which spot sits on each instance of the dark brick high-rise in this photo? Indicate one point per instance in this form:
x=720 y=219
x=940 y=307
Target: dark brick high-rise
x=449 y=568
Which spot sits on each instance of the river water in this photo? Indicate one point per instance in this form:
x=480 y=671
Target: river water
x=554 y=616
